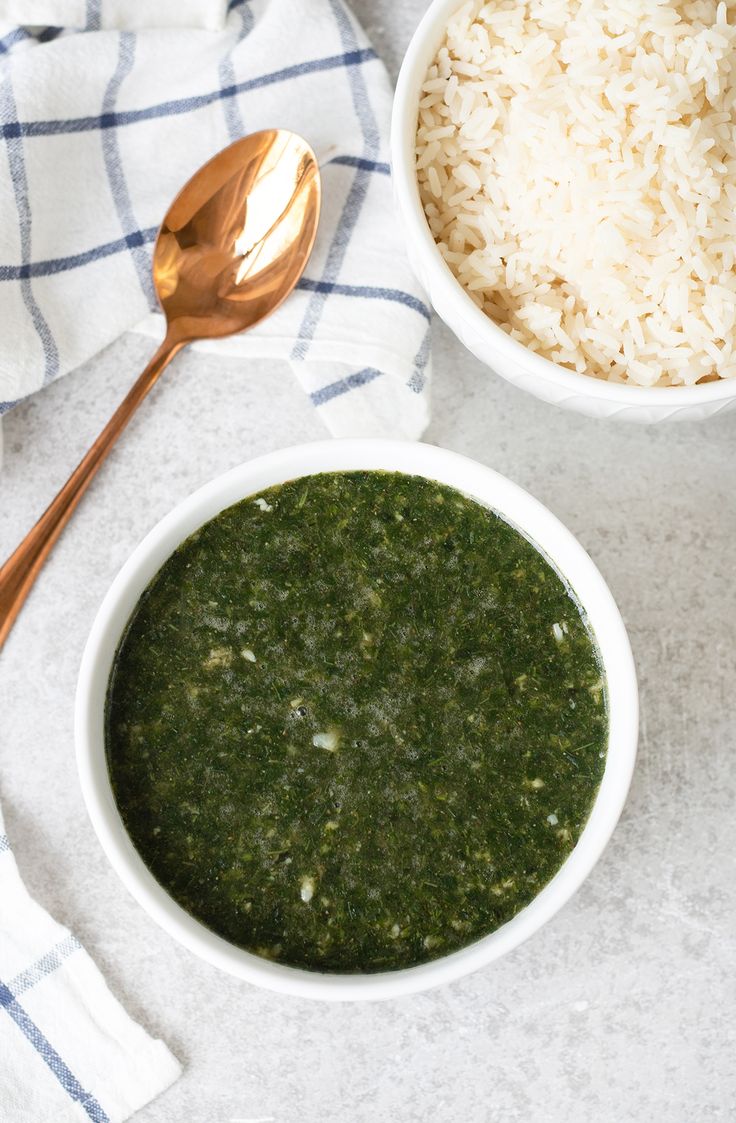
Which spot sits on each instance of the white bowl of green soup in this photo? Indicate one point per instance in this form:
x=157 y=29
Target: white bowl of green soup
x=356 y=719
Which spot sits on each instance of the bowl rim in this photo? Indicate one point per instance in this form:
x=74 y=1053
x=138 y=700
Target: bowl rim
x=419 y=54
x=487 y=487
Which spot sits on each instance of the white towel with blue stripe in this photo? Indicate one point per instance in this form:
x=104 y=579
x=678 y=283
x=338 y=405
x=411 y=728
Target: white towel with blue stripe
x=68 y=1051
x=108 y=106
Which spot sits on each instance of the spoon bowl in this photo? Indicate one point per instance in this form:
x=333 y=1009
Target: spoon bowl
x=233 y=245
x=237 y=237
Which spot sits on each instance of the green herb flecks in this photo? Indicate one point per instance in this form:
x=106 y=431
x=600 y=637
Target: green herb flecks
x=356 y=722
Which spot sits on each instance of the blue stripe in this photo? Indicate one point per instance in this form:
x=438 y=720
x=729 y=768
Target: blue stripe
x=5 y=407
x=361 y=162
x=358 y=191
x=418 y=380
x=46 y=1051
x=94 y=15
x=17 y=35
x=367 y=292
x=44 y=966
x=335 y=389
x=4 y=840
x=20 y=34
x=362 y=377
x=141 y=237
x=226 y=73
x=9 y=113
x=74 y=261
x=116 y=174
x=49 y=33
x=349 y=60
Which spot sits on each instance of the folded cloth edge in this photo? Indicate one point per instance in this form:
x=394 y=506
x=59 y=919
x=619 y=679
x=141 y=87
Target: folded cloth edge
x=66 y=966
x=122 y=15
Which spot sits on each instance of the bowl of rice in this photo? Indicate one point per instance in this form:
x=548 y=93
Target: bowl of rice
x=566 y=174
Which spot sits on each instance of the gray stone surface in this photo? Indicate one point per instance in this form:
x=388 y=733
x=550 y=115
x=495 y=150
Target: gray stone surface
x=622 y=1009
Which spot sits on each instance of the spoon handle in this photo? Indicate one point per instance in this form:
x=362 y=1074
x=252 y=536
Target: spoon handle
x=21 y=569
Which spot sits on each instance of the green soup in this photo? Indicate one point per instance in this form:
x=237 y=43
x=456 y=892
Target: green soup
x=356 y=722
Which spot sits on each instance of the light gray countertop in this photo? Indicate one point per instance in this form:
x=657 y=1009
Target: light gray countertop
x=621 y=1010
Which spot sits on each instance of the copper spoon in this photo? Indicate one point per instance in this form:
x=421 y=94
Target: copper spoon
x=232 y=247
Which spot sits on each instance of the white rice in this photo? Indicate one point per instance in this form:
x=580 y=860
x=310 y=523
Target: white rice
x=577 y=165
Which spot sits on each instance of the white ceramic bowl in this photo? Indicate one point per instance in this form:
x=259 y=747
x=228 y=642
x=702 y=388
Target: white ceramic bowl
x=480 y=335
x=436 y=464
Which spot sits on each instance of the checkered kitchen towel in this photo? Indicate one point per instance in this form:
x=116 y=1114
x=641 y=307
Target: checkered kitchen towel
x=108 y=106
x=68 y=1051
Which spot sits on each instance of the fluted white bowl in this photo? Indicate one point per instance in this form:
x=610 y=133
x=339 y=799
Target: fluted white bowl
x=487 y=341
